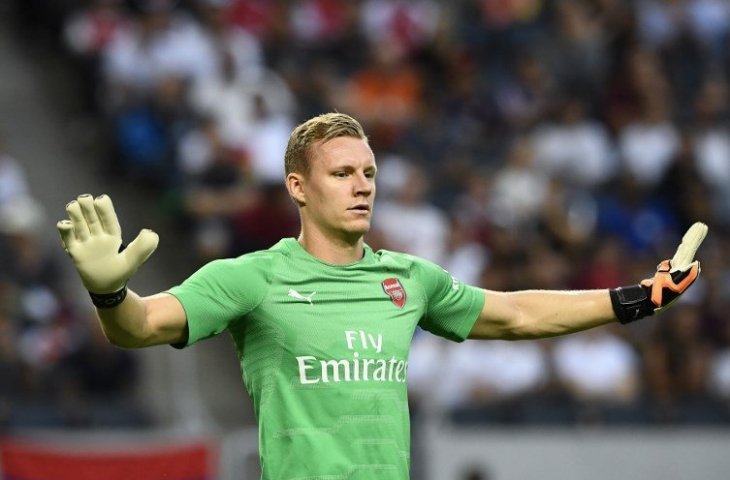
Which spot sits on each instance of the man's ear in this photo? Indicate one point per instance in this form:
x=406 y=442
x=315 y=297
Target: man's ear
x=294 y=184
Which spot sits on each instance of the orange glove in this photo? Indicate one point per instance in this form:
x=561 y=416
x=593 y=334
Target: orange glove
x=672 y=278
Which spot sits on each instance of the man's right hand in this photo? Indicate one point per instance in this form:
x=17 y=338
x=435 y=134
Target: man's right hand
x=93 y=239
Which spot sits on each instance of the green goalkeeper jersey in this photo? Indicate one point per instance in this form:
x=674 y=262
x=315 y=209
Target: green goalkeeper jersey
x=324 y=351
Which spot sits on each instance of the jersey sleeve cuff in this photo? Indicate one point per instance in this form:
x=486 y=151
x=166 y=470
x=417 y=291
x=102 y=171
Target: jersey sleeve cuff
x=193 y=336
x=477 y=304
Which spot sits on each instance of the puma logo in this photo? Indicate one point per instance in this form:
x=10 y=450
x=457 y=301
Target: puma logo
x=307 y=298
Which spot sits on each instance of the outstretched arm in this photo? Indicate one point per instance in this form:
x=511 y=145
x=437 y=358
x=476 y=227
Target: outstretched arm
x=541 y=313
x=546 y=313
x=92 y=238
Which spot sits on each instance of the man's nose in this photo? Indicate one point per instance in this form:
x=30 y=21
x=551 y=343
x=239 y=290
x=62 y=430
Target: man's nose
x=363 y=185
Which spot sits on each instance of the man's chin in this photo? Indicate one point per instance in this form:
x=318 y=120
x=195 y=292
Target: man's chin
x=359 y=228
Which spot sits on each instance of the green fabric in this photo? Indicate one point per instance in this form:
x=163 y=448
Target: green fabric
x=324 y=350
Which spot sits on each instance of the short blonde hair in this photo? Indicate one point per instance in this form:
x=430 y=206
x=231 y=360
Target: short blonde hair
x=320 y=128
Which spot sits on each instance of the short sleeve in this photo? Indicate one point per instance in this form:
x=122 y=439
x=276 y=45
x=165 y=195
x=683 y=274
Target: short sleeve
x=452 y=307
x=220 y=293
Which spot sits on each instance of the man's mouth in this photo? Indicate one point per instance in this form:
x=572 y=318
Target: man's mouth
x=362 y=207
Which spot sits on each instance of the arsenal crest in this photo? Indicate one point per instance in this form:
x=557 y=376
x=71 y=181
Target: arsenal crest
x=395 y=291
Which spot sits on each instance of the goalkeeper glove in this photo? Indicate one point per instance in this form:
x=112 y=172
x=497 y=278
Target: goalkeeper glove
x=93 y=239
x=672 y=278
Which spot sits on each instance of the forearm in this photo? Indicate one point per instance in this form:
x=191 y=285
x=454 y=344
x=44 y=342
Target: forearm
x=126 y=324
x=145 y=321
x=532 y=314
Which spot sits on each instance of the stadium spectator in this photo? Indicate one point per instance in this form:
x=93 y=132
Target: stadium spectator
x=682 y=187
x=719 y=377
x=676 y=362
x=215 y=188
x=267 y=140
x=519 y=191
x=160 y=42
x=385 y=93
x=476 y=381
x=599 y=369
x=13 y=181
x=711 y=145
x=222 y=38
x=407 y=219
x=497 y=378
x=528 y=93
x=574 y=147
x=11 y=366
x=316 y=23
x=409 y=25
x=649 y=144
x=428 y=361
x=631 y=213
x=241 y=103
x=577 y=50
x=87 y=35
x=464 y=256
x=265 y=20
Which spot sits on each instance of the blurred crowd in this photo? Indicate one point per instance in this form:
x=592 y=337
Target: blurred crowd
x=551 y=144
x=56 y=367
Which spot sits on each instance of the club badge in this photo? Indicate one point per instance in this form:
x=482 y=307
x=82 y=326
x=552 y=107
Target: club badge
x=395 y=291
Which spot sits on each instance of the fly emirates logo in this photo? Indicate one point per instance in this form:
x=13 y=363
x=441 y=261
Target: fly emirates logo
x=359 y=368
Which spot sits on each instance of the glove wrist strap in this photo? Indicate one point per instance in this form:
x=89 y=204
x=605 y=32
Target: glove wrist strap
x=631 y=303
x=108 y=300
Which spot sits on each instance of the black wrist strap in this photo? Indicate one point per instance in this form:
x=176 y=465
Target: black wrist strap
x=108 y=300
x=631 y=303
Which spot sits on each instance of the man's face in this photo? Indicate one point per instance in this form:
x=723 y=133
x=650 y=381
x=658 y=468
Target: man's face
x=339 y=191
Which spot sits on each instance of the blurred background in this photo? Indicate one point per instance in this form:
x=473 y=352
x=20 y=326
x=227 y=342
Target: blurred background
x=562 y=144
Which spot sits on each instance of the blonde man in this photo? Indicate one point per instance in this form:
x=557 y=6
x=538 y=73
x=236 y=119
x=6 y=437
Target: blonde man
x=322 y=323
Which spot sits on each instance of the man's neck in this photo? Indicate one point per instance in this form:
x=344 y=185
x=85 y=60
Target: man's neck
x=331 y=250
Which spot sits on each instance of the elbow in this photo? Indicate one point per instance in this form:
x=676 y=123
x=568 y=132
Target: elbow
x=515 y=326
x=518 y=324
x=521 y=328
x=508 y=316
x=526 y=326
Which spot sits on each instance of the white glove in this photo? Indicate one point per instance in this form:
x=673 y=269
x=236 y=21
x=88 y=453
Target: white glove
x=93 y=239
x=691 y=241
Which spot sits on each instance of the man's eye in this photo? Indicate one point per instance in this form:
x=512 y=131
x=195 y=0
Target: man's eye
x=341 y=174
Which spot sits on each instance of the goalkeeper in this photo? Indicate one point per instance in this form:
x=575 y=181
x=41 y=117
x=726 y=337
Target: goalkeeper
x=322 y=324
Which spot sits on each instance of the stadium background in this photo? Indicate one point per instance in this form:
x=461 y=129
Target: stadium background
x=521 y=144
